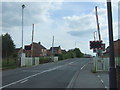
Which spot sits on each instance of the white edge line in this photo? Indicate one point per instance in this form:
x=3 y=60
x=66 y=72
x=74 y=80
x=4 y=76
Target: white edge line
x=83 y=66
x=70 y=85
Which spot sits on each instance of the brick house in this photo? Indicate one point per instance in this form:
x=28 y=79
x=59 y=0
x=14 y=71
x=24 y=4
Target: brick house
x=19 y=51
x=38 y=50
x=56 y=51
x=116 y=49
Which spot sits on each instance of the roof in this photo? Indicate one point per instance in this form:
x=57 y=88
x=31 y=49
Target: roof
x=55 y=48
x=28 y=47
x=39 y=45
x=17 y=49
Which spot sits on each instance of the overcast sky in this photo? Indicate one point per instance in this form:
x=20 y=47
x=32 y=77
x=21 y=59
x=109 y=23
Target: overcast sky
x=69 y=22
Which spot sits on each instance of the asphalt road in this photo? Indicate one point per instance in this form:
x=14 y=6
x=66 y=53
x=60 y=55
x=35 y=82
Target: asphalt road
x=50 y=75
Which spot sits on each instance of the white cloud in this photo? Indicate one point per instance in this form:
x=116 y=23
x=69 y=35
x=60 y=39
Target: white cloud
x=82 y=25
x=33 y=13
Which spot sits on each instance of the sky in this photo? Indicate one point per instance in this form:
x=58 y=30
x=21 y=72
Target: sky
x=71 y=23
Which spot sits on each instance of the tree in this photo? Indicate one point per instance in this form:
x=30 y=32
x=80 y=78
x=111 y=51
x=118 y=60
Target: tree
x=78 y=53
x=8 y=46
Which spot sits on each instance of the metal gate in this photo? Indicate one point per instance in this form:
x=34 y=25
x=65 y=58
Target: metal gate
x=102 y=64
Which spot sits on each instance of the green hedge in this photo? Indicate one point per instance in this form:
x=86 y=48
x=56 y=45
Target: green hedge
x=44 y=60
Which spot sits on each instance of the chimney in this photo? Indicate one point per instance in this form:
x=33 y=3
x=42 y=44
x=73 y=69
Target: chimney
x=39 y=43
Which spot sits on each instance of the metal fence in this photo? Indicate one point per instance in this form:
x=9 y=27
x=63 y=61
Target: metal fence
x=102 y=64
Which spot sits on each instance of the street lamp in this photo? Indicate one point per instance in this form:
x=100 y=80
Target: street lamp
x=23 y=6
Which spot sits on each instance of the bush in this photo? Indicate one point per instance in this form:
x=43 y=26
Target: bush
x=44 y=60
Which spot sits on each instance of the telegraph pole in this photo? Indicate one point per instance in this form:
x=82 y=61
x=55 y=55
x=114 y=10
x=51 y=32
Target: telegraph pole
x=53 y=49
x=32 y=41
x=112 y=72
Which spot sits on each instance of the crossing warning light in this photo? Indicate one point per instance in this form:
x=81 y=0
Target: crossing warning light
x=96 y=44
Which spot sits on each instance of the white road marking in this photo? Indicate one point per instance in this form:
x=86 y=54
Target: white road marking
x=102 y=81
x=30 y=77
x=98 y=76
x=24 y=81
x=70 y=85
x=106 y=87
x=71 y=62
x=83 y=66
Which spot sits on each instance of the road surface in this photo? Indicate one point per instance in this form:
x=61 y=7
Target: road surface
x=51 y=75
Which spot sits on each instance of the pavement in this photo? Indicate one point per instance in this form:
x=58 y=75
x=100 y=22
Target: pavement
x=71 y=73
x=84 y=78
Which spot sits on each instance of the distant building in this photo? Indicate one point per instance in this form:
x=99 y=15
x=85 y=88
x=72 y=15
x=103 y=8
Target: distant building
x=56 y=51
x=87 y=56
x=116 y=49
x=38 y=50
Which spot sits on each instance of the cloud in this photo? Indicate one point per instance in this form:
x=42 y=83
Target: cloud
x=86 y=24
x=33 y=13
x=76 y=25
x=81 y=34
x=80 y=23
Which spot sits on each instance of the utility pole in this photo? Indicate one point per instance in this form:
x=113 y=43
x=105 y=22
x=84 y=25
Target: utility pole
x=112 y=72
x=32 y=41
x=53 y=49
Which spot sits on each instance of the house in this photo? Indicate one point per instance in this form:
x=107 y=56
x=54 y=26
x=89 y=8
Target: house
x=116 y=48
x=38 y=50
x=19 y=51
x=56 y=51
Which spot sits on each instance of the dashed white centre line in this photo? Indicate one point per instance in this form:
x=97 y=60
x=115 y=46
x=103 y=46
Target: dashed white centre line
x=106 y=87
x=102 y=81
x=71 y=62
x=98 y=76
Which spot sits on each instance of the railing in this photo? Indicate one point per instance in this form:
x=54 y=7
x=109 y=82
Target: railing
x=102 y=64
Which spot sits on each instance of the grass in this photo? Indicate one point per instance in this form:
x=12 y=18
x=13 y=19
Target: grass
x=11 y=64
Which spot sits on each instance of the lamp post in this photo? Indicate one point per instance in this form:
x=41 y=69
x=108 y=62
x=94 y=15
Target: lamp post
x=112 y=72
x=23 y=6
